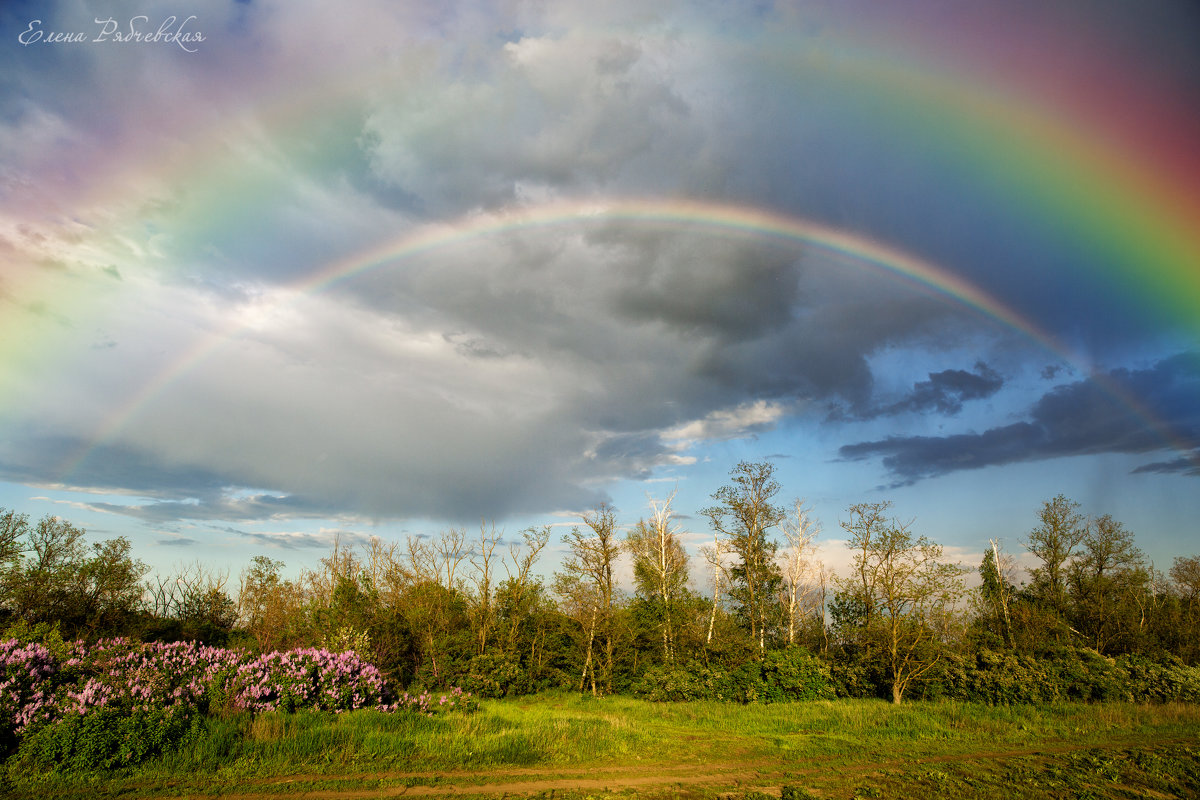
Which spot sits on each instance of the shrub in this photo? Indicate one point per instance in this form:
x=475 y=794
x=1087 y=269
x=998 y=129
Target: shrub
x=310 y=678
x=1162 y=681
x=29 y=677
x=458 y=699
x=116 y=703
x=780 y=675
x=1002 y=678
x=494 y=675
x=693 y=682
x=1005 y=678
x=106 y=738
x=855 y=679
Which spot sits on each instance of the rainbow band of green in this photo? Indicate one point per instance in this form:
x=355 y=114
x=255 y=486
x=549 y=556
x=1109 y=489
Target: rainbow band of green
x=715 y=217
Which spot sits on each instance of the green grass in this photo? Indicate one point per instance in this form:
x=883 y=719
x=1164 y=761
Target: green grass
x=841 y=749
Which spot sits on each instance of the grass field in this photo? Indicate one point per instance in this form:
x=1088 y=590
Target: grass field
x=577 y=747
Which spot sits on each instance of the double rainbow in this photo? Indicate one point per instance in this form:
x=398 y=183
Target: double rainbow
x=1103 y=159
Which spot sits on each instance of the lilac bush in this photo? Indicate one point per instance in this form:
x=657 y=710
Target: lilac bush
x=52 y=694
x=27 y=685
x=308 y=678
x=423 y=703
x=139 y=677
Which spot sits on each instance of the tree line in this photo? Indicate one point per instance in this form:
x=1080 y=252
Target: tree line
x=475 y=610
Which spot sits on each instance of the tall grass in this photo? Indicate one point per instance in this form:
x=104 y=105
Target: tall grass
x=563 y=734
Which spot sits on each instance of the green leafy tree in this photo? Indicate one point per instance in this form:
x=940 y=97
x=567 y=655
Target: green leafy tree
x=902 y=594
x=743 y=515
x=1185 y=592
x=14 y=528
x=1105 y=582
x=271 y=609
x=1055 y=542
x=52 y=576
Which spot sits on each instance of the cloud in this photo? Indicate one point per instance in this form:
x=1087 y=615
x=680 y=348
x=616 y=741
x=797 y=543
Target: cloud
x=172 y=354
x=180 y=541
x=567 y=111
x=736 y=423
x=1087 y=417
x=1185 y=465
x=944 y=393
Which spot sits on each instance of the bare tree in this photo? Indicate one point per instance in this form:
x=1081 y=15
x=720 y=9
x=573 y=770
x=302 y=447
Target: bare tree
x=450 y=551
x=521 y=585
x=719 y=575
x=593 y=555
x=996 y=588
x=194 y=593
x=341 y=564
x=482 y=558
x=422 y=564
x=801 y=568
x=660 y=566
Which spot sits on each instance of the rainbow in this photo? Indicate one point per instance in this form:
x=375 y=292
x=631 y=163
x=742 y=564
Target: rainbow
x=1119 y=185
x=712 y=218
x=1103 y=160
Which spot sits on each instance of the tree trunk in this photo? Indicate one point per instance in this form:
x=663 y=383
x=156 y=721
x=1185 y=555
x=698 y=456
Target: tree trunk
x=712 y=620
x=587 y=664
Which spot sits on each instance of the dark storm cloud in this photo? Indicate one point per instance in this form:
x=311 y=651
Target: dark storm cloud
x=1050 y=371
x=944 y=393
x=1083 y=418
x=1187 y=465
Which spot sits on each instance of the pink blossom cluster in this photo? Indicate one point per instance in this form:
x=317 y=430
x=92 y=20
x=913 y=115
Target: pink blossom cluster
x=143 y=676
x=27 y=682
x=423 y=703
x=308 y=678
x=40 y=686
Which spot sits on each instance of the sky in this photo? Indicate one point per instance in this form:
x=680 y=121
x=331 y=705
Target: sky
x=275 y=274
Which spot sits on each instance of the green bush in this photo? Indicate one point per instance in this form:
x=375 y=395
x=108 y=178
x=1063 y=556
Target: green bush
x=105 y=739
x=1083 y=674
x=1003 y=678
x=1068 y=673
x=1161 y=681
x=856 y=679
x=778 y=676
x=782 y=675
x=494 y=675
x=692 y=682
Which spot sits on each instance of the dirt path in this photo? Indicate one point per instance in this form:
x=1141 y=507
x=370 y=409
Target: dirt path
x=817 y=774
